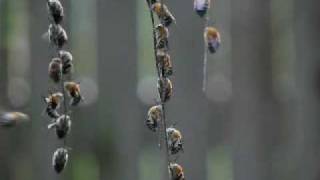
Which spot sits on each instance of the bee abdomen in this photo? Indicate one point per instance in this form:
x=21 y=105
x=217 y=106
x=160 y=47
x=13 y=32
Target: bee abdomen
x=60 y=159
x=55 y=11
x=52 y=113
x=76 y=100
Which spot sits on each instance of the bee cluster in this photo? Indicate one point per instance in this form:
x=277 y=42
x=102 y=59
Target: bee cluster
x=156 y=120
x=59 y=71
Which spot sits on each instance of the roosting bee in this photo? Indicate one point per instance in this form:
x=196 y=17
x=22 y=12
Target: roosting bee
x=163 y=13
x=212 y=39
x=154 y=117
x=162 y=35
x=176 y=171
x=201 y=7
x=55 y=10
x=73 y=89
x=53 y=102
x=10 y=119
x=165 y=89
x=165 y=64
x=60 y=159
x=62 y=126
x=57 y=35
x=174 y=140
x=67 y=64
x=55 y=69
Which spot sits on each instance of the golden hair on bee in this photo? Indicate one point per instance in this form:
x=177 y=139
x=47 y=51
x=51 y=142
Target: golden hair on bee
x=165 y=64
x=73 y=89
x=10 y=119
x=162 y=35
x=176 y=171
x=55 y=69
x=154 y=117
x=67 y=59
x=54 y=99
x=174 y=140
x=212 y=39
x=163 y=13
x=165 y=88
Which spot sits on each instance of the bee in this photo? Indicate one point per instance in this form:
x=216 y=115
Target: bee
x=162 y=35
x=55 y=10
x=73 y=89
x=62 y=125
x=67 y=64
x=201 y=7
x=53 y=102
x=165 y=64
x=165 y=89
x=163 y=13
x=176 y=171
x=10 y=119
x=57 y=35
x=55 y=69
x=174 y=140
x=60 y=159
x=154 y=117
x=212 y=39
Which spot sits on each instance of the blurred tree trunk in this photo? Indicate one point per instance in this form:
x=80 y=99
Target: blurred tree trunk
x=254 y=111
x=118 y=80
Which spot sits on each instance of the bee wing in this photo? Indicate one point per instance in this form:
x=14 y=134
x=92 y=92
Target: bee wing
x=9 y=119
x=6 y=121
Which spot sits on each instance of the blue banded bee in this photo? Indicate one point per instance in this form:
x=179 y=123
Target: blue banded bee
x=57 y=35
x=55 y=11
x=174 y=140
x=53 y=102
x=165 y=89
x=154 y=117
x=73 y=90
x=163 y=13
x=201 y=7
x=176 y=171
x=60 y=159
x=212 y=39
x=62 y=126
x=165 y=64
x=162 y=35
x=67 y=64
x=55 y=70
x=10 y=119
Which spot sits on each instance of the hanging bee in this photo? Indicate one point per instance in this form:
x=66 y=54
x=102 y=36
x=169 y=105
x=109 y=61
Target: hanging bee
x=174 y=140
x=73 y=89
x=165 y=89
x=162 y=35
x=67 y=64
x=176 y=171
x=201 y=7
x=154 y=117
x=62 y=126
x=55 y=70
x=10 y=119
x=163 y=13
x=55 y=10
x=53 y=102
x=60 y=159
x=152 y=1
x=165 y=64
x=212 y=39
x=57 y=35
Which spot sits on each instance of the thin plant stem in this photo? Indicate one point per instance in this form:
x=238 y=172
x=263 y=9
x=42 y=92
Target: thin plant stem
x=205 y=59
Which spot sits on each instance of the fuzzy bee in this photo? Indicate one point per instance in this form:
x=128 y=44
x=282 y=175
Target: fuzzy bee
x=62 y=126
x=55 y=69
x=154 y=117
x=165 y=64
x=60 y=159
x=55 y=11
x=57 y=35
x=53 y=102
x=212 y=39
x=165 y=89
x=67 y=64
x=163 y=13
x=176 y=171
x=10 y=119
x=174 y=140
x=201 y=7
x=162 y=35
x=73 y=90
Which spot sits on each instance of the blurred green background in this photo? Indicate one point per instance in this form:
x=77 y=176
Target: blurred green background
x=258 y=119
